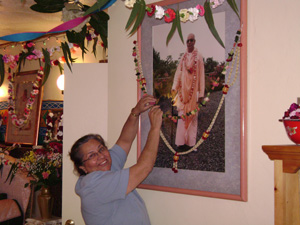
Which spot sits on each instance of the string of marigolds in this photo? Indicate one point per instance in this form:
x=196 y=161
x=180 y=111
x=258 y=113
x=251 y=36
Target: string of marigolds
x=233 y=59
x=23 y=120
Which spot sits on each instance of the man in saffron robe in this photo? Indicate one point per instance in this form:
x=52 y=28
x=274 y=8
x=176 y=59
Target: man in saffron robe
x=189 y=84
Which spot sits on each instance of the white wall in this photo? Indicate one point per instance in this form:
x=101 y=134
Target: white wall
x=273 y=84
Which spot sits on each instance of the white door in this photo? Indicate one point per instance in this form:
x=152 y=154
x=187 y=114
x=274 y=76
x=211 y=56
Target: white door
x=85 y=111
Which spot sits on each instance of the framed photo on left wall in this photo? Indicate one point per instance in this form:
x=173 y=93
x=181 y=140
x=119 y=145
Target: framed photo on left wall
x=22 y=88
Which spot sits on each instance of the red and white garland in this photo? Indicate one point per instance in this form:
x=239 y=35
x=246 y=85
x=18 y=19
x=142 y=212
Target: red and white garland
x=20 y=122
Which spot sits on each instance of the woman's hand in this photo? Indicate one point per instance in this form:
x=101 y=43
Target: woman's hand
x=155 y=116
x=146 y=102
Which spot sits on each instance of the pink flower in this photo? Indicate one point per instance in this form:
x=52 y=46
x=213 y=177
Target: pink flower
x=201 y=10
x=17 y=57
x=30 y=57
x=169 y=15
x=45 y=175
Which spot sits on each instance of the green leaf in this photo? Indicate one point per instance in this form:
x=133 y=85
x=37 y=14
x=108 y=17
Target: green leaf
x=49 y=2
x=47 y=9
x=133 y=15
x=60 y=68
x=140 y=16
x=65 y=47
x=96 y=6
x=210 y=22
x=234 y=7
x=179 y=26
x=173 y=28
x=2 y=71
x=47 y=65
x=11 y=173
x=22 y=59
x=99 y=21
x=78 y=38
x=95 y=46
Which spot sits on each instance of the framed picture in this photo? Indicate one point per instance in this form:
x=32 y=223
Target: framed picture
x=202 y=150
x=28 y=133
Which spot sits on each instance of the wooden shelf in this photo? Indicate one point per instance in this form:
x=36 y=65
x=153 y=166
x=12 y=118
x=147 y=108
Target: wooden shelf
x=286 y=182
x=289 y=154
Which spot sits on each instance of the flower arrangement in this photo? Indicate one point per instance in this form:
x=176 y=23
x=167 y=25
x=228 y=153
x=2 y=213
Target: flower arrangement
x=41 y=163
x=292 y=113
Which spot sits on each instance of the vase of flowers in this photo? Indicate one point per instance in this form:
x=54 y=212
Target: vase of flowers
x=291 y=122
x=44 y=165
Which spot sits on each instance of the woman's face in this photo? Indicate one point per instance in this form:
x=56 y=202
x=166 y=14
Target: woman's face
x=95 y=157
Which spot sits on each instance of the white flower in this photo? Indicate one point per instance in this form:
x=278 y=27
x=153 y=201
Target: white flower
x=57 y=48
x=194 y=15
x=129 y=3
x=216 y=3
x=159 y=12
x=70 y=45
x=184 y=15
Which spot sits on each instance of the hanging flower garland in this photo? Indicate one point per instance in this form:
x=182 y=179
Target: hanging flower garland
x=59 y=134
x=49 y=126
x=233 y=58
x=23 y=120
x=190 y=14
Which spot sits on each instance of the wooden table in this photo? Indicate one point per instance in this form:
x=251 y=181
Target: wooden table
x=286 y=176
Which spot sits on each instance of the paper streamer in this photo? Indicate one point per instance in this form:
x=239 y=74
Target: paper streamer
x=27 y=36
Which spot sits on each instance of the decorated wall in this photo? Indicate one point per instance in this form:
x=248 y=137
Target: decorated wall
x=52 y=96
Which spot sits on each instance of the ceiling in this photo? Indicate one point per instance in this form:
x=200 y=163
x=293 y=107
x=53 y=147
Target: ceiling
x=17 y=17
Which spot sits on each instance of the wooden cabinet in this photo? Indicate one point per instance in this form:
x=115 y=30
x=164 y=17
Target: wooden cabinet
x=286 y=186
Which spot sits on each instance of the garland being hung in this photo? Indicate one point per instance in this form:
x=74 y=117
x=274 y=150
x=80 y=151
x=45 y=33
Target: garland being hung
x=233 y=58
x=23 y=120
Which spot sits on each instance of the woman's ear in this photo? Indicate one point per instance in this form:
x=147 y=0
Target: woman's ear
x=83 y=169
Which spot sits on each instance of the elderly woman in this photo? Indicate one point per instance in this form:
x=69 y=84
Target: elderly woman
x=106 y=189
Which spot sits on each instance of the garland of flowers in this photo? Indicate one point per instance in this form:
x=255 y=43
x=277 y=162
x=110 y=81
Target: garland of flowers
x=49 y=125
x=20 y=122
x=233 y=58
x=191 y=69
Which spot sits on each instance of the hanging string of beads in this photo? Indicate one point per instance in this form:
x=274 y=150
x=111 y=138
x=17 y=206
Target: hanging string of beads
x=233 y=59
x=22 y=120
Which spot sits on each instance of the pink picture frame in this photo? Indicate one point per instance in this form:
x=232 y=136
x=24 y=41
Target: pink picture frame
x=228 y=181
